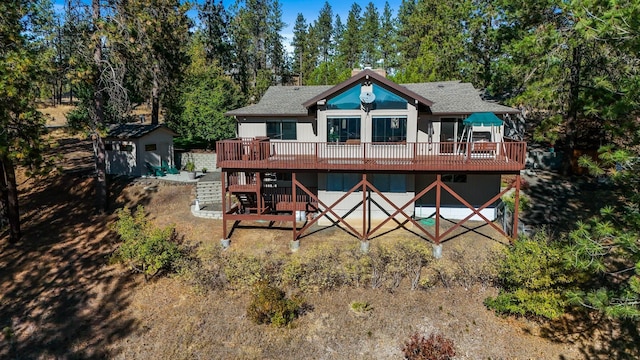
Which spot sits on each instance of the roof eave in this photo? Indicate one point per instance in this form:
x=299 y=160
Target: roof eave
x=439 y=113
x=367 y=73
x=270 y=115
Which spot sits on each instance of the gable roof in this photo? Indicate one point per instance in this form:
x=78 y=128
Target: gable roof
x=368 y=74
x=445 y=97
x=133 y=131
x=281 y=101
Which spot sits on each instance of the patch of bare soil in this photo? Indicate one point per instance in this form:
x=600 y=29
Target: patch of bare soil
x=62 y=299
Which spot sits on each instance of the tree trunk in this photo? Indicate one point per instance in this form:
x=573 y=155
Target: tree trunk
x=98 y=119
x=572 y=109
x=9 y=192
x=155 y=96
x=60 y=91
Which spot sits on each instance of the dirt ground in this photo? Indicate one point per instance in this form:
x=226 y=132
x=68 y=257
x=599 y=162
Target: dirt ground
x=61 y=298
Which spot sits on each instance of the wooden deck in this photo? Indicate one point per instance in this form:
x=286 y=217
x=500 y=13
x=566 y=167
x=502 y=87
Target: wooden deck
x=266 y=155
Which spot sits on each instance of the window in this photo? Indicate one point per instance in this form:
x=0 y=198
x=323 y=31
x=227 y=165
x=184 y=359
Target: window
x=454 y=178
x=150 y=147
x=389 y=129
x=127 y=148
x=385 y=99
x=341 y=129
x=451 y=130
x=282 y=130
x=394 y=183
x=342 y=181
x=348 y=100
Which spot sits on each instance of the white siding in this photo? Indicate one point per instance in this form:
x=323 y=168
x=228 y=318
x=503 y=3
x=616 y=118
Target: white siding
x=122 y=162
x=252 y=129
x=376 y=214
x=478 y=189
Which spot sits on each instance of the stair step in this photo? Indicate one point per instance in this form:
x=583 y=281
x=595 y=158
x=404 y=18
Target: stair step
x=209 y=191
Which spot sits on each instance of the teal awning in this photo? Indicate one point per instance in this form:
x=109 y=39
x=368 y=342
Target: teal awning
x=483 y=119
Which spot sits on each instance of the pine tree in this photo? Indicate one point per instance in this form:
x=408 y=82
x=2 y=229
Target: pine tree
x=299 y=43
x=351 y=45
x=370 y=35
x=24 y=62
x=324 y=30
x=388 y=40
x=158 y=31
x=215 y=22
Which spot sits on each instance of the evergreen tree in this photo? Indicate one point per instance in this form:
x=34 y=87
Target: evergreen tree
x=311 y=57
x=158 y=31
x=299 y=43
x=215 y=22
x=388 y=40
x=370 y=35
x=338 y=30
x=484 y=46
x=323 y=27
x=204 y=97
x=275 y=49
x=351 y=45
x=408 y=43
x=24 y=62
x=257 y=45
x=438 y=37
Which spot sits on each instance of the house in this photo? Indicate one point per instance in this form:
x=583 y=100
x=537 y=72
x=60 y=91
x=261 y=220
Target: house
x=368 y=153
x=130 y=146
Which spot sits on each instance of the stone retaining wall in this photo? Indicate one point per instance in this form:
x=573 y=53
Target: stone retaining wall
x=201 y=159
x=217 y=215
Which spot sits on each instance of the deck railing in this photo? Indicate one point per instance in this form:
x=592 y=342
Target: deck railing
x=259 y=154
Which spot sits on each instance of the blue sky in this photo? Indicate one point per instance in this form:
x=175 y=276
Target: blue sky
x=309 y=9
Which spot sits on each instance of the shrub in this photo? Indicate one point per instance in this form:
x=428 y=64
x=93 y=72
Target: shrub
x=270 y=306
x=435 y=347
x=533 y=275
x=360 y=307
x=414 y=257
x=319 y=269
x=545 y=303
x=205 y=271
x=245 y=271
x=145 y=248
x=356 y=266
x=509 y=201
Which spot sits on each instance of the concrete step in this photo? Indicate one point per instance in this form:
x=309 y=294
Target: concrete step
x=209 y=192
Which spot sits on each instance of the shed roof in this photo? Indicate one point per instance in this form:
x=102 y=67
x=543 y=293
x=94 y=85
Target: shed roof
x=133 y=131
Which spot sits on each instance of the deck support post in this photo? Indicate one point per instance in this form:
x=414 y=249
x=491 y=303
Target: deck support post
x=515 y=209
x=438 y=197
x=294 y=196
x=259 y=193
x=223 y=180
x=364 y=207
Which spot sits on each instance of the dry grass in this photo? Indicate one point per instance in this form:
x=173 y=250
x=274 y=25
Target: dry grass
x=57 y=115
x=61 y=299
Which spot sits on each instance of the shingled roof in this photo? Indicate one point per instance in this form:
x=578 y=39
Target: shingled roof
x=455 y=97
x=132 y=131
x=448 y=97
x=282 y=100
